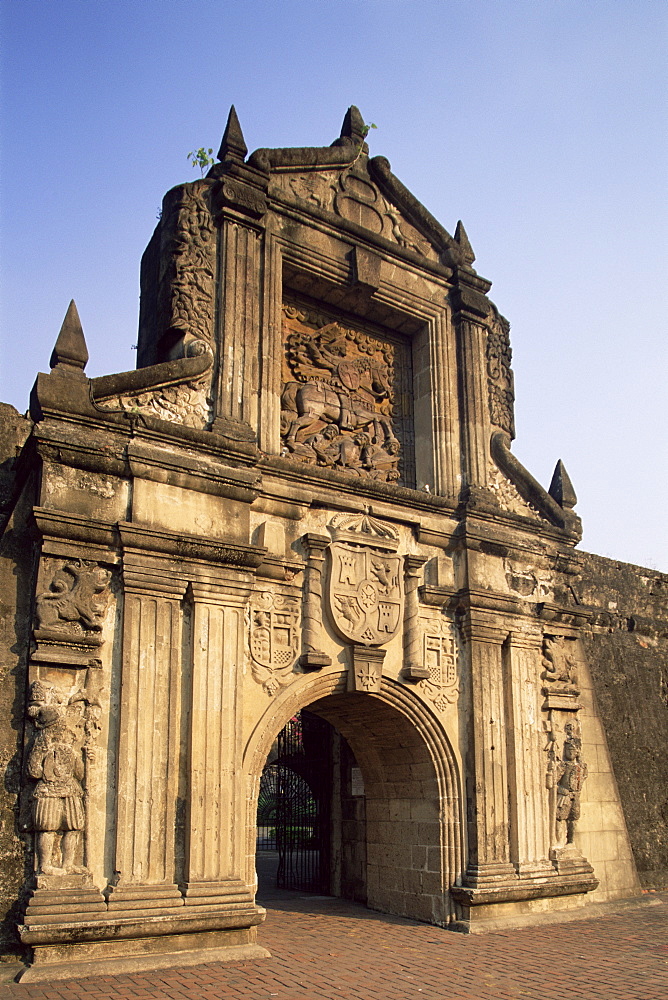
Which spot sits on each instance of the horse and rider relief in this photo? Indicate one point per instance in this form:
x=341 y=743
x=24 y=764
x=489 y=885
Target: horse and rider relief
x=338 y=400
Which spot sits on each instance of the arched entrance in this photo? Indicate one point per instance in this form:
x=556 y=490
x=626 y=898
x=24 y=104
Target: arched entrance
x=411 y=814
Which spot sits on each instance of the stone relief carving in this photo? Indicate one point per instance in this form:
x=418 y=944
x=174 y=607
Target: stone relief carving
x=65 y=731
x=500 y=383
x=273 y=638
x=352 y=196
x=440 y=659
x=75 y=600
x=565 y=778
x=507 y=494
x=191 y=254
x=559 y=666
x=188 y=403
x=338 y=398
x=365 y=597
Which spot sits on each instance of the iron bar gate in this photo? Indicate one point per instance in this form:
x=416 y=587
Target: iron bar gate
x=294 y=805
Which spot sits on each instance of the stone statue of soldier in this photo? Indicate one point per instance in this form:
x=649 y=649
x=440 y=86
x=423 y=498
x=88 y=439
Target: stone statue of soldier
x=571 y=774
x=55 y=763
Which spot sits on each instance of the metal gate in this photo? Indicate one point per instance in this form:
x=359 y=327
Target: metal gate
x=295 y=804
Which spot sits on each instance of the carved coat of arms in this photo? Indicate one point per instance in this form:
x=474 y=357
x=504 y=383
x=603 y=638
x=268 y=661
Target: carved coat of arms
x=365 y=591
x=273 y=638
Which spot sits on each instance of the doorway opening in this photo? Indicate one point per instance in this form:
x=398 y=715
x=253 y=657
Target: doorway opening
x=362 y=795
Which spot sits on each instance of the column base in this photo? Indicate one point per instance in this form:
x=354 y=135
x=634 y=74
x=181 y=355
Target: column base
x=74 y=931
x=110 y=958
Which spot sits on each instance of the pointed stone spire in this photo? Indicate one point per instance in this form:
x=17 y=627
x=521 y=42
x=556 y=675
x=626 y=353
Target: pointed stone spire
x=353 y=126
x=561 y=487
x=70 y=355
x=233 y=145
x=464 y=243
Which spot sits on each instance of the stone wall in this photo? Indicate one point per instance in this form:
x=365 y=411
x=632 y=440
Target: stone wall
x=627 y=649
x=15 y=592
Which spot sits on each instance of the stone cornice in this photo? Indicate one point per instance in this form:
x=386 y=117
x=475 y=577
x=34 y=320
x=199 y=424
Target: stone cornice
x=189 y=547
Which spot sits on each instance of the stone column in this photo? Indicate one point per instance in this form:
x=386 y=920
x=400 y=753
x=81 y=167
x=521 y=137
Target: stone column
x=445 y=415
x=269 y=432
x=149 y=744
x=312 y=658
x=414 y=667
x=239 y=324
x=487 y=782
x=215 y=824
x=475 y=419
x=529 y=821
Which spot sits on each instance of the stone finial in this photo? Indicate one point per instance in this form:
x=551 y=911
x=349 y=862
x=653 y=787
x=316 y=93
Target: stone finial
x=561 y=487
x=233 y=145
x=353 y=126
x=70 y=354
x=464 y=243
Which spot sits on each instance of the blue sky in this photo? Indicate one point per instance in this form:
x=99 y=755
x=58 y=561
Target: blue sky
x=541 y=125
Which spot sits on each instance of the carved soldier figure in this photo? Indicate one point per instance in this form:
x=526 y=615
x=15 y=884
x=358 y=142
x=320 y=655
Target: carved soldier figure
x=571 y=774
x=55 y=762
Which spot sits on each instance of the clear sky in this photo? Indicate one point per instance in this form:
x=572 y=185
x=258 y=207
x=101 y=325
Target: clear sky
x=542 y=125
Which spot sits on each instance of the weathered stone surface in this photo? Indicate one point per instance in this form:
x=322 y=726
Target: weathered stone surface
x=627 y=648
x=304 y=498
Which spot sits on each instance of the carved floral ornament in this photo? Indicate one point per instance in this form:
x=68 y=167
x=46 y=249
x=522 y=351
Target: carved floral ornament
x=500 y=383
x=338 y=399
x=191 y=252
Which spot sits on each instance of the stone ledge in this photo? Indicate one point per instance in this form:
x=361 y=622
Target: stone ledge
x=560 y=885
x=153 y=956
x=113 y=926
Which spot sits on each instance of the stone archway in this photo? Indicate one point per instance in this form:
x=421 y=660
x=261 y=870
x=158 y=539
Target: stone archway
x=412 y=791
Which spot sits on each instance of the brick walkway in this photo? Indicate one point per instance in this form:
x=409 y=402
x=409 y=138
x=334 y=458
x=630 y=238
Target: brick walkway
x=325 y=948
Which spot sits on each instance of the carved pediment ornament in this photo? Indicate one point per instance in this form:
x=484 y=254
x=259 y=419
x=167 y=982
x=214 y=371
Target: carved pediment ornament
x=352 y=195
x=365 y=591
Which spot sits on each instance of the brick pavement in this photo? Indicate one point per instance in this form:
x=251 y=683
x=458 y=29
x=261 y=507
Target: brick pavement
x=328 y=949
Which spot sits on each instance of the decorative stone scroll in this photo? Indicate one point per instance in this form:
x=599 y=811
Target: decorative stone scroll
x=500 y=383
x=66 y=729
x=339 y=406
x=364 y=595
x=507 y=494
x=273 y=638
x=187 y=402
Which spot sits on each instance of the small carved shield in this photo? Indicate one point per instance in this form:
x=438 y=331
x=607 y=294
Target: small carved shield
x=365 y=593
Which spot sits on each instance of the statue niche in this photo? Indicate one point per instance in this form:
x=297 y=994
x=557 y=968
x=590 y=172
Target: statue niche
x=338 y=399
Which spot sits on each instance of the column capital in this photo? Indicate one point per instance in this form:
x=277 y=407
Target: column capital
x=313 y=542
x=413 y=564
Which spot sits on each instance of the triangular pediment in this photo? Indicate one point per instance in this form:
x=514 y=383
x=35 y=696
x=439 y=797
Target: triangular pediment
x=351 y=194
x=343 y=180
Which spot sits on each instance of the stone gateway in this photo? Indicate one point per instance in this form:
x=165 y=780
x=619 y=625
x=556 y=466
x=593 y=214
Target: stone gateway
x=303 y=500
